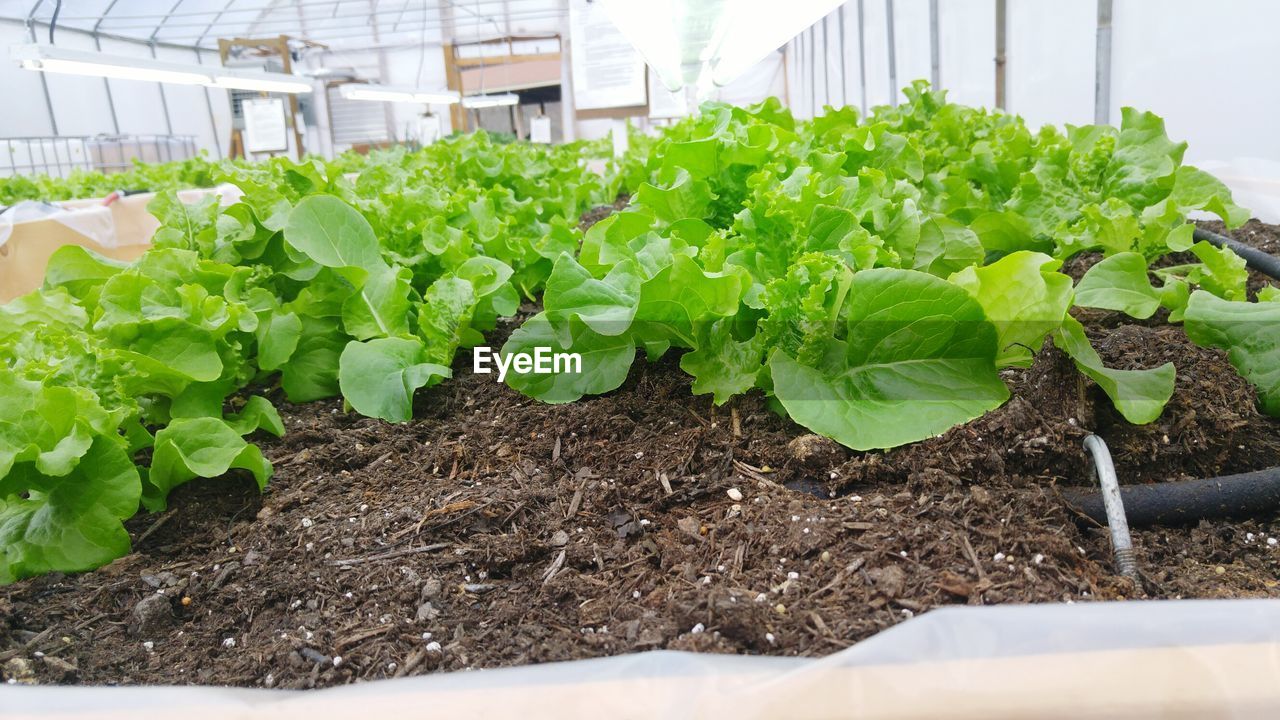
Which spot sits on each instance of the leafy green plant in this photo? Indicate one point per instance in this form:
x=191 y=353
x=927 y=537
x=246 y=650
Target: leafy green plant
x=122 y=382
x=871 y=276
x=194 y=172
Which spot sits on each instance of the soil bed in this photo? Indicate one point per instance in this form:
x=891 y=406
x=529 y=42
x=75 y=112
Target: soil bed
x=494 y=530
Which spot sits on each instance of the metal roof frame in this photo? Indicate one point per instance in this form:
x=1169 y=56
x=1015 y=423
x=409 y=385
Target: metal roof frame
x=188 y=24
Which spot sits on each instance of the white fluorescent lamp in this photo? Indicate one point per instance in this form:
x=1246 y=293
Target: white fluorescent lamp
x=691 y=42
x=396 y=94
x=238 y=79
x=753 y=34
x=475 y=102
x=49 y=58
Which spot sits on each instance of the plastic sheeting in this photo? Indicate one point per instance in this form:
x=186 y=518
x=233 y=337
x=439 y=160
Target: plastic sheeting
x=94 y=223
x=1254 y=183
x=1148 y=659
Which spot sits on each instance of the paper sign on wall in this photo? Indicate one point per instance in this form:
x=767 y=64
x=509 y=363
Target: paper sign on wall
x=607 y=70
x=264 y=126
x=426 y=128
x=540 y=129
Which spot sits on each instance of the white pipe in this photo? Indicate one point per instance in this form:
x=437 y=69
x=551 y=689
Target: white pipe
x=1105 y=471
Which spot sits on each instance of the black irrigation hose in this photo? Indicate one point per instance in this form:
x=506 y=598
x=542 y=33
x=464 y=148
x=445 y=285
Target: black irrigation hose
x=53 y=22
x=1256 y=259
x=1188 y=501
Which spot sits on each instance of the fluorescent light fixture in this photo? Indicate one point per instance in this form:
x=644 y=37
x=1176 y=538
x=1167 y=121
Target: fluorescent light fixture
x=237 y=79
x=475 y=102
x=51 y=58
x=700 y=42
x=397 y=94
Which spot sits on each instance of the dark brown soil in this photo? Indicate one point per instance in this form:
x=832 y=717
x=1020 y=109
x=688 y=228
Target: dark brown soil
x=595 y=215
x=494 y=530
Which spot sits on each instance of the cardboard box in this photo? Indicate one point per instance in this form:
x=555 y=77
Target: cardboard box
x=25 y=253
x=121 y=231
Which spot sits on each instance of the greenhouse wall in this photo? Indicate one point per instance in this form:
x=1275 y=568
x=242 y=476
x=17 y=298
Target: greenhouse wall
x=1178 y=58
x=80 y=104
x=1175 y=57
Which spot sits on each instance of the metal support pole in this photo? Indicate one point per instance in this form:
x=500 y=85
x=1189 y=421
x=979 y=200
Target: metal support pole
x=813 y=71
x=208 y=105
x=844 y=82
x=164 y=102
x=214 y=21
x=826 y=64
x=1102 y=66
x=893 y=54
x=862 y=57
x=44 y=83
x=1001 y=42
x=935 y=59
x=384 y=72
x=568 y=110
x=106 y=84
x=787 y=51
x=801 y=96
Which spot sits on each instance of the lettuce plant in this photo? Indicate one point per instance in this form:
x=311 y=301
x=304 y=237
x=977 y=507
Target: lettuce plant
x=871 y=277
x=122 y=382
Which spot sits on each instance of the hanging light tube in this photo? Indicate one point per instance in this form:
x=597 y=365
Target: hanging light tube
x=475 y=102
x=243 y=79
x=49 y=58
x=54 y=59
x=397 y=94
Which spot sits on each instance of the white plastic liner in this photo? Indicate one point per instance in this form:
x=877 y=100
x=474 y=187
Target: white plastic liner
x=95 y=223
x=1254 y=184
x=1138 y=659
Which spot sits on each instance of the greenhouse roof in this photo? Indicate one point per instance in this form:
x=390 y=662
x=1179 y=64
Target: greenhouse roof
x=344 y=24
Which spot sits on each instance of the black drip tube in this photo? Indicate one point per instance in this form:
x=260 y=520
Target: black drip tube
x=1188 y=501
x=1256 y=259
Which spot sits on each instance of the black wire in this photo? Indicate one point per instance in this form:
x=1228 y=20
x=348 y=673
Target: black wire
x=53 y=22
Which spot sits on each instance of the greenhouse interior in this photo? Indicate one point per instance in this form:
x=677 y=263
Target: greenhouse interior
x=609 y=358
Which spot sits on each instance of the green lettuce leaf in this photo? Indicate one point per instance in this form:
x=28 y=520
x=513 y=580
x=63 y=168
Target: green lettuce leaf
x=1024 y=297
x=1139 y=395
x=1249 y=332
x=68 y=522
x=919 y=358
x=378 y=377
x=188 y=448
x=1120 y=283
